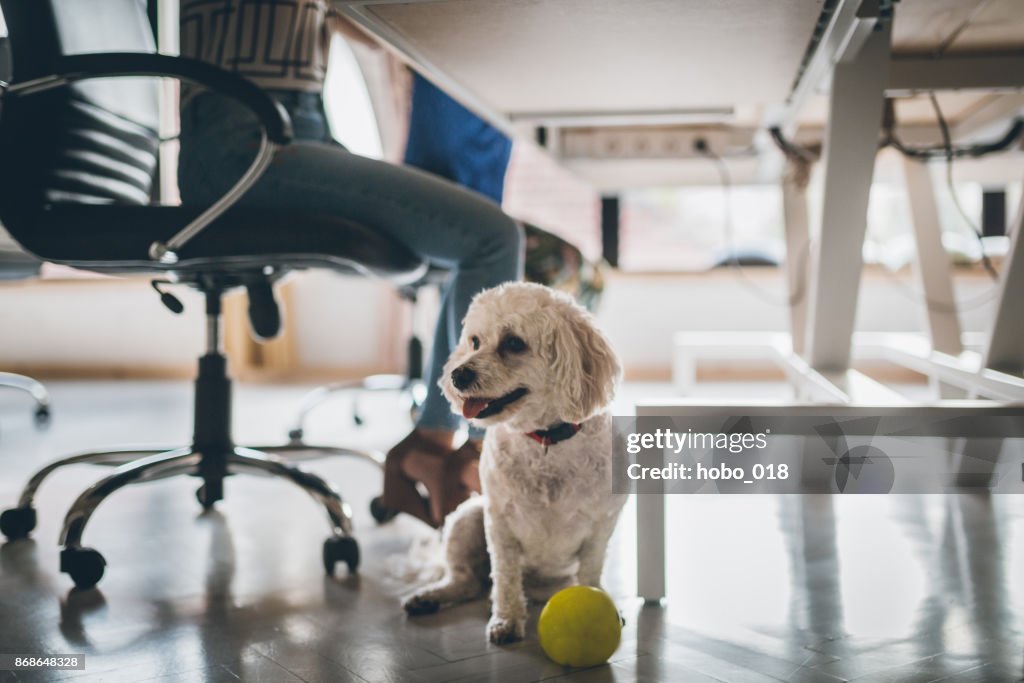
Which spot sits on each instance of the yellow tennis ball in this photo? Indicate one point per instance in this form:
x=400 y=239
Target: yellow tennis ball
x=579 y=626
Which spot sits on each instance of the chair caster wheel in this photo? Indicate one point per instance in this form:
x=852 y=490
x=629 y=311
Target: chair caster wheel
x=18 y=523
x=341 y=549
x=295 y=435
x=85 y=566
x=42 y=416
x=204 y=499
x=381 y=513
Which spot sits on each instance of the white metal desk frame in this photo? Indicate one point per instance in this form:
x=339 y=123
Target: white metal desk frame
x=822 y=333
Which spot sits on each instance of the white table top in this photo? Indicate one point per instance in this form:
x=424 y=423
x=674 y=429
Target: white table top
x=514 y=60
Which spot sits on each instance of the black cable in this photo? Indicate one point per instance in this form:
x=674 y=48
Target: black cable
x=790 y=301
x=792 y=150
x=948 y=144
x=801 y=289
x=969 y=151
x=804 y=154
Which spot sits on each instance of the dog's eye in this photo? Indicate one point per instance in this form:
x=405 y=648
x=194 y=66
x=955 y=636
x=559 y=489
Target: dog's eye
x=513 y=344
x=475 y=341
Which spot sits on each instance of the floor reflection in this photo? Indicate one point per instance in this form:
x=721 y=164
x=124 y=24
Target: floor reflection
x=815 y=589
x=886 y=587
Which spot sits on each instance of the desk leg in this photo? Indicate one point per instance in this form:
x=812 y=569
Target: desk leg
x=650 y=547
x=794 y=204
x=1005 y=352
x=851 y=142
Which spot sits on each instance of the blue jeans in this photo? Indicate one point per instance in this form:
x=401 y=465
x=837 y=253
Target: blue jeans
x=445 y=224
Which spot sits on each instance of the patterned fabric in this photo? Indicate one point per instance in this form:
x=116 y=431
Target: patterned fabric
x=278 y=44
x=552 y=261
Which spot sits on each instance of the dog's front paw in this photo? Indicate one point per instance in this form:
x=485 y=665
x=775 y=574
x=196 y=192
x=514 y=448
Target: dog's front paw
x=418 y=604
x=501 y=631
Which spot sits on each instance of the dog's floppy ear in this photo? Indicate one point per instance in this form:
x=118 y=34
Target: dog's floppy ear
x=584 y=365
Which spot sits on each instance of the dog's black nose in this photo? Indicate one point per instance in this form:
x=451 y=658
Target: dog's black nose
x=463 y=377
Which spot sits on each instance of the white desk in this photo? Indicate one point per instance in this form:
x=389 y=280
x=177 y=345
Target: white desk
x=515 y=60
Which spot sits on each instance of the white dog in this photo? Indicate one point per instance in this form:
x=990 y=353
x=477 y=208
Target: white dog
x=531 y=368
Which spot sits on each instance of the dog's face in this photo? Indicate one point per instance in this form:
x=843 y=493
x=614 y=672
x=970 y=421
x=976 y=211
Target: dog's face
x=530 y=357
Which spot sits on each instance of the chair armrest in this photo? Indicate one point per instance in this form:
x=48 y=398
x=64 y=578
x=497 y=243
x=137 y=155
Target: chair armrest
x=68 y=69
x=273 y=118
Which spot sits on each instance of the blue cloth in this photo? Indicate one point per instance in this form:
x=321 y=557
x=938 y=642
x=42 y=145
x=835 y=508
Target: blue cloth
x=448 y=140
x=442 y=222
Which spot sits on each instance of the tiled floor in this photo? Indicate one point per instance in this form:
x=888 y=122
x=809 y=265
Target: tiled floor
x=762 y=588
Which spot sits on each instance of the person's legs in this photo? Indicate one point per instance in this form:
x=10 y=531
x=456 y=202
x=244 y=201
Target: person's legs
x=443 y=223
x=448 y=140
x=435 y=413
x=446 y=224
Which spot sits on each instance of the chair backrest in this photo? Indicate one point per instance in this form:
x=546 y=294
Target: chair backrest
x=94 y=142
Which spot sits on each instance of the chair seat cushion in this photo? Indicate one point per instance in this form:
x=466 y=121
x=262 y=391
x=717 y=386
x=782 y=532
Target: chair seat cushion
x=115 y=238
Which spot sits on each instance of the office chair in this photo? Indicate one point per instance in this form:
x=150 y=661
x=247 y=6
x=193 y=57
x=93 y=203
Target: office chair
x=32 y=387
x=16 y=265
x=77 y=161
x=410 y=383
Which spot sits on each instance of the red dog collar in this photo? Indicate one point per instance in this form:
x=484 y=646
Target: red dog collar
x=553 y=435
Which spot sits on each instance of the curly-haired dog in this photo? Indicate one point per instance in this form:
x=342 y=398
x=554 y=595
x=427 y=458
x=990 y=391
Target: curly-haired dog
x=532 y=368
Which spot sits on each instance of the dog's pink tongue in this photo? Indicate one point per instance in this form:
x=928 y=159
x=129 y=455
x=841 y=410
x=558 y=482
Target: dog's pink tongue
x=472 y=407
